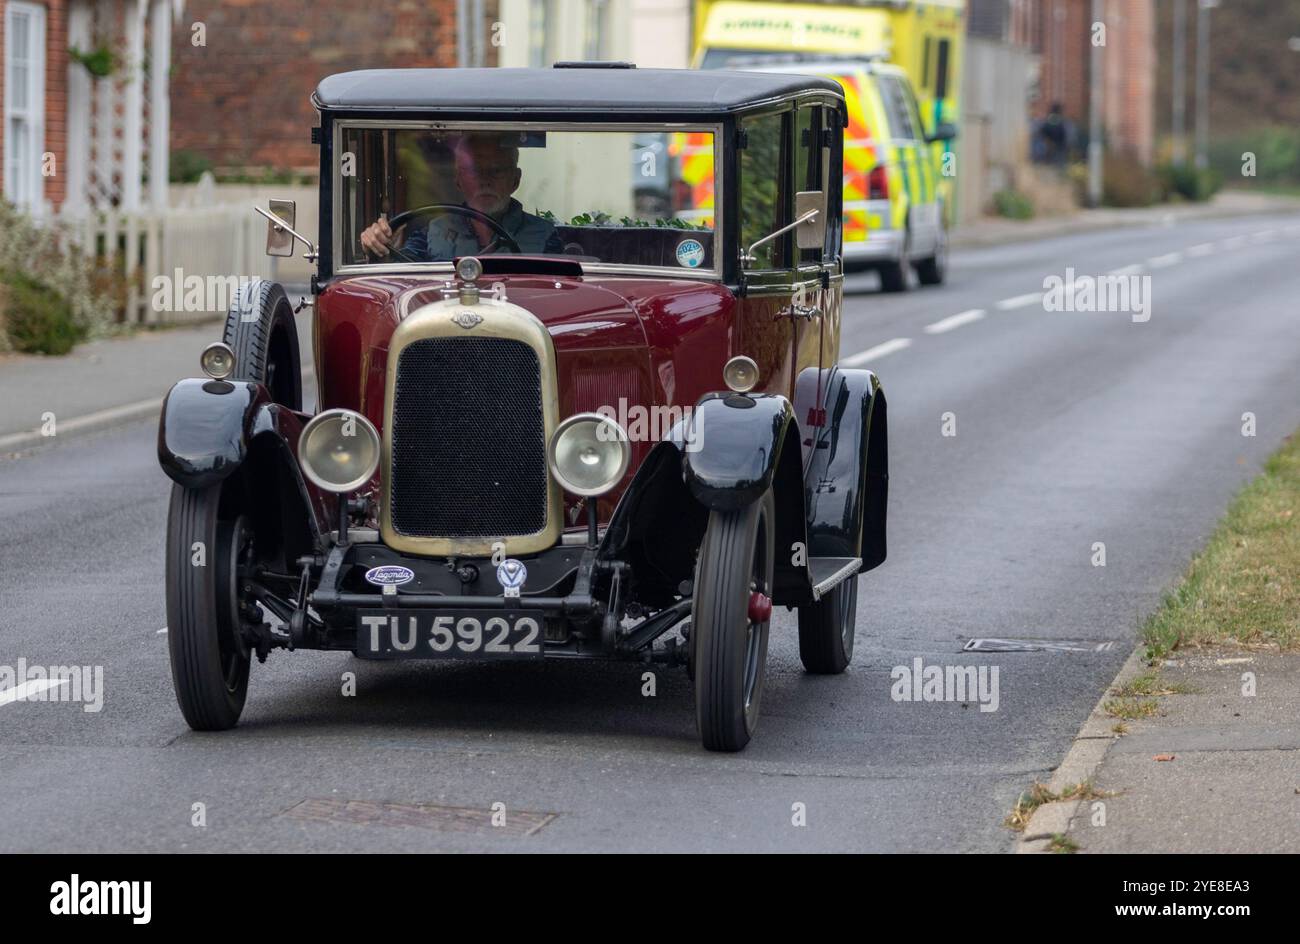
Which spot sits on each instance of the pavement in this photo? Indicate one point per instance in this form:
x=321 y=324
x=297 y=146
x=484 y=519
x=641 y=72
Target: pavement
x=103 y=383
x=997 y=231
x=1216 y=770
x=1072 y=430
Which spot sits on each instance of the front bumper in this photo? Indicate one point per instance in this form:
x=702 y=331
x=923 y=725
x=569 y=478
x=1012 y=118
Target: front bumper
x=569 y=588
x=881 y=245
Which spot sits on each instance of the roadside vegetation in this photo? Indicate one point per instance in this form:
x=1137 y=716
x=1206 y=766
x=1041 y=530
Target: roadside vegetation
x=1244 y=588
x=52 y=296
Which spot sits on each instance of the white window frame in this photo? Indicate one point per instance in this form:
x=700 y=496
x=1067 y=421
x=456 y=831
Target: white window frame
x=30 y=192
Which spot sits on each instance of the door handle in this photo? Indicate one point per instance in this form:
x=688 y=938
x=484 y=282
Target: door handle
x=804 y=312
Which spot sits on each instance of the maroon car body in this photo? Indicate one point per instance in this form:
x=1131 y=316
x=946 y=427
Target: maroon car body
x=526 y=455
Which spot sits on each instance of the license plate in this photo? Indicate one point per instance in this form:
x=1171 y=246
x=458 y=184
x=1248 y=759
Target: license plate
x=466 y=634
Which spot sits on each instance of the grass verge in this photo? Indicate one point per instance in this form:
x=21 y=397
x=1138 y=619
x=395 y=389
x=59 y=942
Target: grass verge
x=1245 y=586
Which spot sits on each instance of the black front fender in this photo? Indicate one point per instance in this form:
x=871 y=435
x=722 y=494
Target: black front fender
x=206 y=429
x=732 y=447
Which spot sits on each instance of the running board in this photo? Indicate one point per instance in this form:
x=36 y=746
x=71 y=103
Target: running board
x=827 y=573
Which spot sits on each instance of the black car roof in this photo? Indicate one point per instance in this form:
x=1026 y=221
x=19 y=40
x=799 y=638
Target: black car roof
x=585 y=90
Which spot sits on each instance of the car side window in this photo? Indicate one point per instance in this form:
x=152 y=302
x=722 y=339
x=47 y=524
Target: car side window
x=812 y=158
x=764 y=192
x=900 y=120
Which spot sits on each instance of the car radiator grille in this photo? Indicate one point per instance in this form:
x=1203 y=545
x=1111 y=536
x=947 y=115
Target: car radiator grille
x=468 y=439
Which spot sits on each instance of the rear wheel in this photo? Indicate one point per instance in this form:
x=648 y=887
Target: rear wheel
x=260 y=330
x=893 y=275
x=826 y=630
x=934 y=270
x=209 y=656
x=729 y=622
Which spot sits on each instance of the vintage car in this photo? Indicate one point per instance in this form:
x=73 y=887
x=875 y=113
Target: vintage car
x=548 y=425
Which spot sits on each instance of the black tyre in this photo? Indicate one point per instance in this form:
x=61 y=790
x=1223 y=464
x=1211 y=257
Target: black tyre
x=731 y=649
x=260 y=330
x=826 y=630
x=894 y=275
x=934 y=270
x=210 y=659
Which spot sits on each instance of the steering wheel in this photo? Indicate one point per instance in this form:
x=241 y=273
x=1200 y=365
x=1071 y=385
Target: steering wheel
x=437 y=209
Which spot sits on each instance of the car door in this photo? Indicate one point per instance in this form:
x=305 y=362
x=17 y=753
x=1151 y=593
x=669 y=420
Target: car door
x=765 y=328
x=815 y=308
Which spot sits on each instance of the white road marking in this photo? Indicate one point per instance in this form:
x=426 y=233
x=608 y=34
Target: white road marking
x=1204 y=249
x=1134 y=269
x=1020 y=301
x=1267 y=236
x=1233 y=242
x=20 y=692
x=1168 y=259
x=161 y=631
x=956 y=321
x=880 y=350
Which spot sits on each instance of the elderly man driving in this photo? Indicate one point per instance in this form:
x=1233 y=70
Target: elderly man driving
x=487 y=173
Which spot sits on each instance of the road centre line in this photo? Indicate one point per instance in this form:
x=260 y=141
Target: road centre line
x=1204 y=249
x=35 y=686
x=1168 y=259
x=954 y=321
x=880 y=350
x=1020 y=301
x=1135 y=269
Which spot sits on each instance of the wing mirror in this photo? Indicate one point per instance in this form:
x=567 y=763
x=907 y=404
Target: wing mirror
x=809 y=225
x=280 y=233
x=944 y=131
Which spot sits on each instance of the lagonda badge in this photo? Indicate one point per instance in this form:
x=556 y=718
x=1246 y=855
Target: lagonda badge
x=466 y=319
x=511 y=575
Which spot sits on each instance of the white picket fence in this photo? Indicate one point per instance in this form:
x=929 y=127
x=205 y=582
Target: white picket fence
x=161 y=253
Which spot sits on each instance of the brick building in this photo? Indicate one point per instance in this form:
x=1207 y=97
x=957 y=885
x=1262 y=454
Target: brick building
x=1060 y=32
x=245 y=69
x=87 y=131
x=34 y=80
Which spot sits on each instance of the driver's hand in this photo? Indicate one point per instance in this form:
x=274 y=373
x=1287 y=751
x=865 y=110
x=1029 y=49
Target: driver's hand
x=377 y=239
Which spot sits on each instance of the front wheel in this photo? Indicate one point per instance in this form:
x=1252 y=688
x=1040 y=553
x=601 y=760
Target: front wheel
x=826 y=630
x=729 y=622
x=209 y=657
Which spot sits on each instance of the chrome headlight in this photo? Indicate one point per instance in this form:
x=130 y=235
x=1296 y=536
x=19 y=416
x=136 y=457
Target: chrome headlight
x=217 y=360
x=589 y=454
x=339 y=450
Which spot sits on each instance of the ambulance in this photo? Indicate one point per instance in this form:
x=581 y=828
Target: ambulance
x=899 y=63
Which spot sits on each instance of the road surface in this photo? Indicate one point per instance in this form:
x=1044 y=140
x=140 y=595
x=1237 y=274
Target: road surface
x=1072 y=430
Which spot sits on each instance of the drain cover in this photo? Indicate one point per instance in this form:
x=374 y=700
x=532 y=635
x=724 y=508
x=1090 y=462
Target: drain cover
x=1036 y=645
x=449 y=819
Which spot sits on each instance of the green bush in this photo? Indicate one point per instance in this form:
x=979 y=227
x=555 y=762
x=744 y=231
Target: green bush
x=1190 y=182
x=36 y=318
x=1013 y=204
x=1276 y=153
x=45 y=254
x=1126 y=183
x=186 y=167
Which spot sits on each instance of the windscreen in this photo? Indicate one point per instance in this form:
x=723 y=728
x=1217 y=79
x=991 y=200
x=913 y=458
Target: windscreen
x=630 y=198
